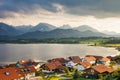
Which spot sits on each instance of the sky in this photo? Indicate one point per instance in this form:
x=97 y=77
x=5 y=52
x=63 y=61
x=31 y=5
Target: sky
x=99 y=14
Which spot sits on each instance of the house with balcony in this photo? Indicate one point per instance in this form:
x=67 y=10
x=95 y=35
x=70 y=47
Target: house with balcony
x=82 y=66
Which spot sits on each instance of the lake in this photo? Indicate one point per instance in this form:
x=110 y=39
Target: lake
x=14 y=52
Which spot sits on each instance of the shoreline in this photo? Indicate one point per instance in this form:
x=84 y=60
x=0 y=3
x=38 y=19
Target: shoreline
x=7 y=62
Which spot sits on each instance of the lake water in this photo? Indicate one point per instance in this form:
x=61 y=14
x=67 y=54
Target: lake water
x=15 y=52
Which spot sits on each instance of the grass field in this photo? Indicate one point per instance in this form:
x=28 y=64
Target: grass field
x=112 y=45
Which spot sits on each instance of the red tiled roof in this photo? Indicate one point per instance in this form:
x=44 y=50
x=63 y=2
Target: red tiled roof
x=97 y=57
x=89 y=55
x=51 y=65
x=85 y=64
x=105 y=59
x=28 y=62
x=90 y=58
x=102 y=69
x=12 y=65
x=9 y=74
x=111 y=58
x=61 y=60
x=26 y=70
x=110 y=70
x=76 y=61
x=54 y=65
x=74 y=58
x=22 y=62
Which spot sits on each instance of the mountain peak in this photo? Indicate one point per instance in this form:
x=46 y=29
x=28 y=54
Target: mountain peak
x=43 y=24
x=6 y=26
x=43 y=27
x=85 y=28
x=66 y=26
x=6 y=29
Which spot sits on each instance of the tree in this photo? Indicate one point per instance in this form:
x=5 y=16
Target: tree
x=110 y=77
x=112 y=63
x=76 y=74
x=39 y=73
x=102 y=77
x=116 y=74
x=67 y=71
x=53 y=78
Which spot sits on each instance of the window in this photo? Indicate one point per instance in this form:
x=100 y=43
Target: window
x=7 y=73
x=92 y=71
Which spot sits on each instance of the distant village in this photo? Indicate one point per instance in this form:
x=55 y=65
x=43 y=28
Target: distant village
x=88 y=67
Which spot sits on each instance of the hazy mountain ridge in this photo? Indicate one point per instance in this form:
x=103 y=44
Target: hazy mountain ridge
x=66 y=26
x=109 y=32
x=24 y=28
x=45 y=30
x=8 y=30
x=59 y=33
x=42 y=27
x=85 y=28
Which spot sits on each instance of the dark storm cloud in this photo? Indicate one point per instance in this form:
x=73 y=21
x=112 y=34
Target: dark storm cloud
x=97 y=8
x=23 y=6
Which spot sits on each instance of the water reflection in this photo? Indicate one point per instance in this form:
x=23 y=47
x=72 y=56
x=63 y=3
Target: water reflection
x=15 y=52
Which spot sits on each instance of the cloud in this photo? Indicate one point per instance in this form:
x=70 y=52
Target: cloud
x=23 y=6
x=97 y=8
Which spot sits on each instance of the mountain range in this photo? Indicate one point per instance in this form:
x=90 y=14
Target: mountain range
x=59 y=33
x=85 y=28
x=42 y=27
x=45 y=30
x=66 y=26
x=8 y=30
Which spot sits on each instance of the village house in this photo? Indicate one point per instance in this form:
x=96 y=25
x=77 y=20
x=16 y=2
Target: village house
x=61 y=60
x=111 y=58
x=53 y=66
x=29 y=62
x=25 y=69
x=27 y=72
x=115 y=58
x=70 y=64
x=13 y=72
x=75 y=59
x=10 y=74
x=104 y=60
x=98 y=69
x=90 y=59
x=98 y=58
x=83 y=66
x=24 y=63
